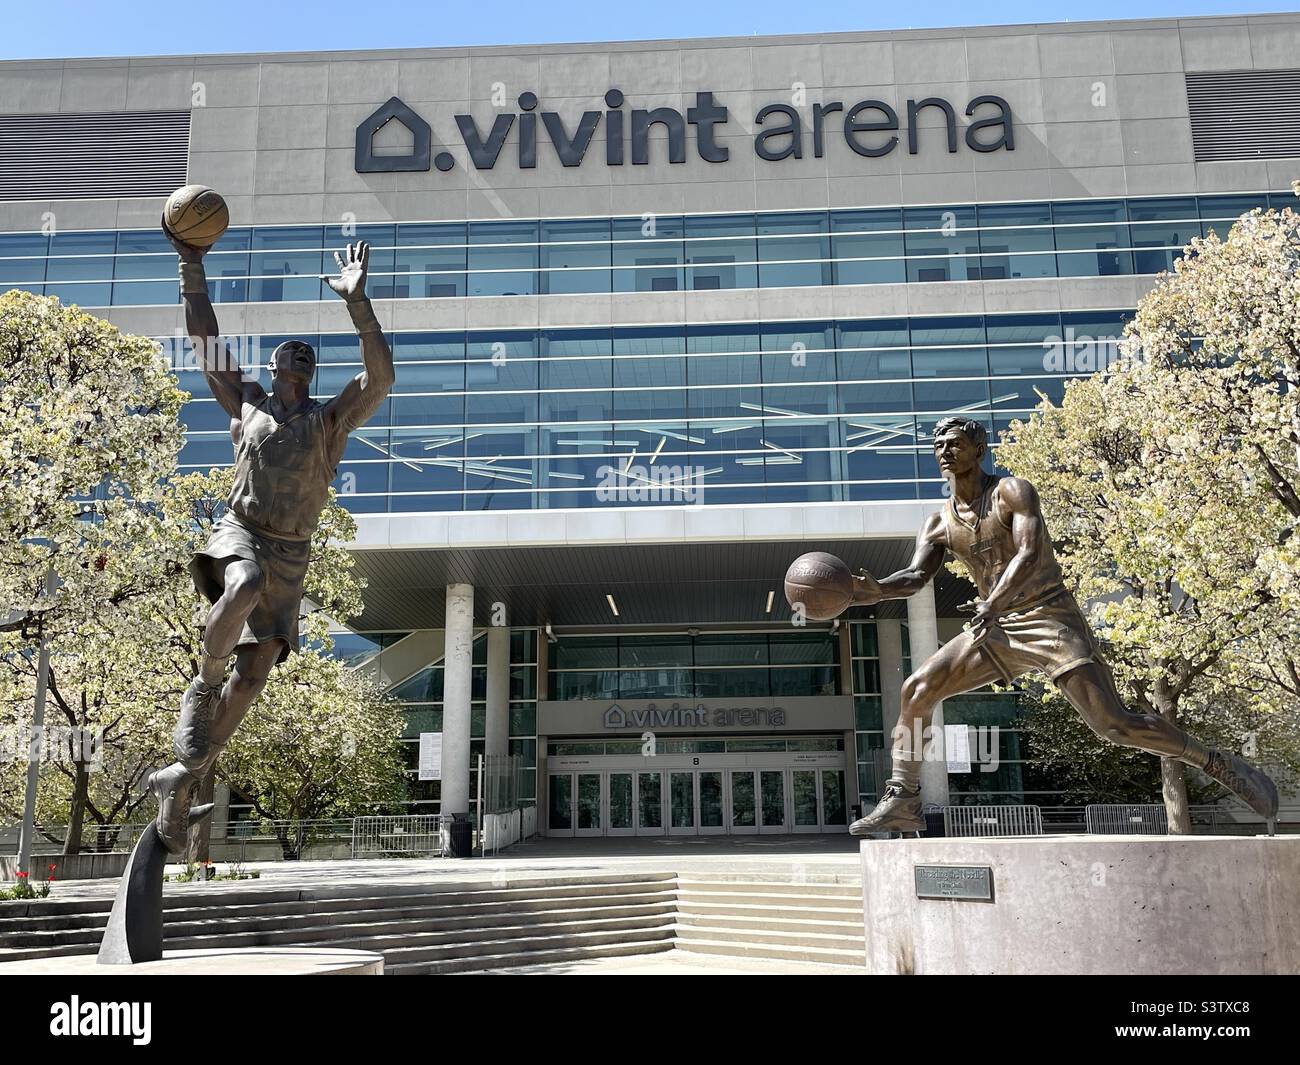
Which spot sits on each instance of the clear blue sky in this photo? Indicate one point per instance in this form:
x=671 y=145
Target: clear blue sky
x=55 y=28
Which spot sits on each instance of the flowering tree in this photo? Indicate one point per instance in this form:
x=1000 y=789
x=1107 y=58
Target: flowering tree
x=89 y=434
x=1172 y=485
x=120 y=674
x=324 y=745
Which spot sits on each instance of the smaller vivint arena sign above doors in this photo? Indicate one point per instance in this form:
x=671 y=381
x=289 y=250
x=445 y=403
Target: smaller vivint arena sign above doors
x=871 y=128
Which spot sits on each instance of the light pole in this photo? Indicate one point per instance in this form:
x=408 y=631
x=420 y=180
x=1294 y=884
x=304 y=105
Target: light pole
x=28 y=830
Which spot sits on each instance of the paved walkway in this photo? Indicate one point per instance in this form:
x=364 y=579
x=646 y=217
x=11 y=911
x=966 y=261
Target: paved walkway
x=812 y=859
x=676 y=963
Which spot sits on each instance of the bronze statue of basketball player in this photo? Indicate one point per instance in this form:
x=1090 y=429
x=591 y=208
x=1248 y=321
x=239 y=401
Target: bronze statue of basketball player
x=287 y=446
x=1025 y=619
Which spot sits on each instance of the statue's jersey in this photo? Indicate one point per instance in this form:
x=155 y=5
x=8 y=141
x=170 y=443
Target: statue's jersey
x=986 y=546
x=283 y=470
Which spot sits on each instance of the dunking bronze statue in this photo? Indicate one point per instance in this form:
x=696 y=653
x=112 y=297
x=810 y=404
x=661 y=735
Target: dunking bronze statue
x=1025 y=619
x=287 y=446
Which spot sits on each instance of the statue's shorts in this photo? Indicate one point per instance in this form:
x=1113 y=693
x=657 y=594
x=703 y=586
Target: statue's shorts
x=284 y=567
x=1051 y=637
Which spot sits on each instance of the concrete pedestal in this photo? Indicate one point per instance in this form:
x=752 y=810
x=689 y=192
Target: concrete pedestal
x=251 y=961
x=1151 y=905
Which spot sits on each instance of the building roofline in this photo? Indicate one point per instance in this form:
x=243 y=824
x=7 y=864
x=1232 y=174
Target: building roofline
x=658 y=44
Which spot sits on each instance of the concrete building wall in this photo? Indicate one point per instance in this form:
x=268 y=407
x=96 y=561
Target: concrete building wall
x=276 y=132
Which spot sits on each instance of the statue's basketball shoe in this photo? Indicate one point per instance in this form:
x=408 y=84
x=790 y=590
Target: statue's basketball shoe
x=173 y=787
x=1253 y=786
x=899 y=810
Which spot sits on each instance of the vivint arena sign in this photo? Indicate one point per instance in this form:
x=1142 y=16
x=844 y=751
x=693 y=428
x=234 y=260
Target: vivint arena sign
x=871 y=128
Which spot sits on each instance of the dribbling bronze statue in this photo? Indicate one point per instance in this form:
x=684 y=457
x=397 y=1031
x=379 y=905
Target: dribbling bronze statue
x=287 y=446
x=1025 y=619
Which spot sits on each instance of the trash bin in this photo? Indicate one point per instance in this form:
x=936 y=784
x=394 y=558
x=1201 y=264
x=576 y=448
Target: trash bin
x=934 y=821
x=460 y=838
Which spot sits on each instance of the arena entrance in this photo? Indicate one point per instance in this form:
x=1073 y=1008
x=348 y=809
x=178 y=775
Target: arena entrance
x=697 y=794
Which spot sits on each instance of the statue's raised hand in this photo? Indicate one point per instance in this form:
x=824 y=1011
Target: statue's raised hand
x=353 y=261
x=189 y=253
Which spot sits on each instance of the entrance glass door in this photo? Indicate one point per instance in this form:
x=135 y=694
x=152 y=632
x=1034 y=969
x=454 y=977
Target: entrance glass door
x=804 y=800
x=682 y=799
x=681 y=803
x=649 y=804
x=621 y=821
x=772 y=800
x=559 y=804
x=817 y=800
x=589 y=820
x=712 y=802
x=834 y=808
x=744 y=801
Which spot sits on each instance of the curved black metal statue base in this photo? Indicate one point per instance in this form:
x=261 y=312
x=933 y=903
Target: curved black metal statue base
x=134 y=932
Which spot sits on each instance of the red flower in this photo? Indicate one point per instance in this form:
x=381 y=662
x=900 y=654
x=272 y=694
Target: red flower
x=22 y=875
x=53 y=867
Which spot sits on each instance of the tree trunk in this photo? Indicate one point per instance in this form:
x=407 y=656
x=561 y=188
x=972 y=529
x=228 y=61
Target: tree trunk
x=77 y=812
x=200 y=834
x=1173 y=785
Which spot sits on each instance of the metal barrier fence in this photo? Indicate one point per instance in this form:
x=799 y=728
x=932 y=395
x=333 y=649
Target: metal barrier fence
x=503 y=779
x=1116 y=819
x=992 y=821
x=408 y=836
x=95 y=838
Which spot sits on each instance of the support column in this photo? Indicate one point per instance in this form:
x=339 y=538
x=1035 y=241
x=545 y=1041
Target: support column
x=923 y=635
x=458 y=666
x=889 y=646
x=497 y=731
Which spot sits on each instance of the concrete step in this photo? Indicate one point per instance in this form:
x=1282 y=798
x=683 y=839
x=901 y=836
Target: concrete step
x=188 y=896
x=499 y=964
x=766 y=909
x=479 y=926
x=821 y=955
x=817 y=968
x=386 y=937
x=770 y=887
x=688 y=897
x=312 y=926
x=386 y=940
x=792 y=922
x=756 y=938
x=487 y=899
x=522 y=950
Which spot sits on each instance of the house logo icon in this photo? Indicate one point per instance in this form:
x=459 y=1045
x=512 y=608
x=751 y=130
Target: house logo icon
x=417 y=159
x=615 y=717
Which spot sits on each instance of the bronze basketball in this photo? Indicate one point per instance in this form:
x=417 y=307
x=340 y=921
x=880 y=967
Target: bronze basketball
x=822 y=583
x=196 y=215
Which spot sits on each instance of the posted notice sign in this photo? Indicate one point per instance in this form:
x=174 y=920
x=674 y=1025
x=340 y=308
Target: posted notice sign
x=430 y=756
x=956 y=747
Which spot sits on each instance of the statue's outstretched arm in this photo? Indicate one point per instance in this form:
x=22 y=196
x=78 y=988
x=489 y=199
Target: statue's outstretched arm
x=217 y=361
x=363 y=395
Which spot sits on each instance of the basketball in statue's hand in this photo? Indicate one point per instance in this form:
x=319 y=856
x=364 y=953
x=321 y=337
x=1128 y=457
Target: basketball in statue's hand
x=822 y=583
x=196 y=215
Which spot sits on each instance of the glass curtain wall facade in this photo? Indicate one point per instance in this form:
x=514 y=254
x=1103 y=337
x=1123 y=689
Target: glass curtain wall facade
x=775 y=412
x=421 y=697
x=424 y=260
